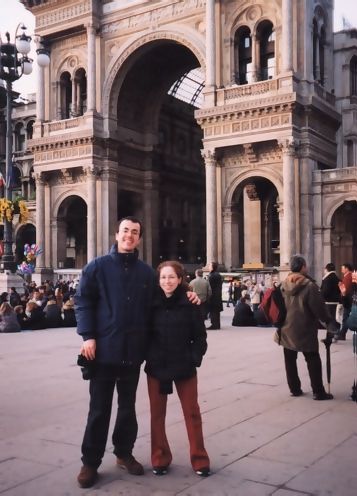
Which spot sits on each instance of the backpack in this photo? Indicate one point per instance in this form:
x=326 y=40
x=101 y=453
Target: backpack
x=273 y=306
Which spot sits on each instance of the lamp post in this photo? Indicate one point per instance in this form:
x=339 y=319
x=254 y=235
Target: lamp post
x=14 y=63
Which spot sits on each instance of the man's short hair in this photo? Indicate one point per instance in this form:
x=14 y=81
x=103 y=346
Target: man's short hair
x=348 y=266
x=132 y=219
x=199 y=272
x=330 y=267
x=297 y=262
x=214 y=266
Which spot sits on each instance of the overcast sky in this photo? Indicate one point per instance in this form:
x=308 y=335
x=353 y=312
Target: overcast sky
x=12 y=12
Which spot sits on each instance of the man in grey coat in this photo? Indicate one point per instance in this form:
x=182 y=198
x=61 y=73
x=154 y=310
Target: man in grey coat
x=305 y=308
x=203 y=290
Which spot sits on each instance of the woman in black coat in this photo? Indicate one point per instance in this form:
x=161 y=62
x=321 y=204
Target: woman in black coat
x=243 y=314
x=330 y=290
x=177 y=345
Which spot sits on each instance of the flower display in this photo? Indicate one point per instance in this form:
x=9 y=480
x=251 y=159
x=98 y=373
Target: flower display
x=30 y=253
x=8 y=208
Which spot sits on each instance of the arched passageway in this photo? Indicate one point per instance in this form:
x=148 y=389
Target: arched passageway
x=344 y=234
x=255 y=224
x=72 y=233
x=160 y=168
x=26 y=234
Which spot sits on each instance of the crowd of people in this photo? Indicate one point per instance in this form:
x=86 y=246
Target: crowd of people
x=38 y=307
x=126 y=314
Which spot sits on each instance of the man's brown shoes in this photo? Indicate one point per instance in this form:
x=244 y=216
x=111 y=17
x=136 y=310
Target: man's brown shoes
x=87 y=476
x=131 y=465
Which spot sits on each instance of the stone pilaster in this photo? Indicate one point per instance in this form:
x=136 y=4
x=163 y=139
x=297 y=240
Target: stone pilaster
x=287 y=36
x=211 y=204
x=252 y=226
x=91 y=173
x=91 y=68
x=40 y=96
x=40 y=219
x=210 y=86
x=287 y=233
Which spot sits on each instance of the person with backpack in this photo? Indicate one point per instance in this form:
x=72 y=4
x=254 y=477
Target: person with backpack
x=305 y=307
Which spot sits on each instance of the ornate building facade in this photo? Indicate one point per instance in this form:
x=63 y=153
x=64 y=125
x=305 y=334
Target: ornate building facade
x=264 y=168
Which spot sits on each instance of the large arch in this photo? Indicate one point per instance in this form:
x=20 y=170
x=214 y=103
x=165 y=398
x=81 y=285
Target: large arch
x=251 y=220
x=71 y=232
x=115 y=76
x=158 y=142
x=272 y=176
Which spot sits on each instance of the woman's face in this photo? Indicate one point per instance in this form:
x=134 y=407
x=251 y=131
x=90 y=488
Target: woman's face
x=168 y=280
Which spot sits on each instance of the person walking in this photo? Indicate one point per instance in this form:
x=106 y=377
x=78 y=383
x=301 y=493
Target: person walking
x=112 y=306
x=215 y=305
x=203 y=290
x=346 y=297
x=330 y=289
x=305 y=307
x=177 y=345
x=230 y=294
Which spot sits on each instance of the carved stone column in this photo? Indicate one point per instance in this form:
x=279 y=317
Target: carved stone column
x=252 y=227
x=255 y=58
x=287 y=233
x=211 y=205
x=287 y=36
x=40 y=95
x=91 y=68
x=91 y=173
x=40 y=219
x=210 y=44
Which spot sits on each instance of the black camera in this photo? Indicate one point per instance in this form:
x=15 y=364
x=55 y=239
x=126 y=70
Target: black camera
x=87 y=367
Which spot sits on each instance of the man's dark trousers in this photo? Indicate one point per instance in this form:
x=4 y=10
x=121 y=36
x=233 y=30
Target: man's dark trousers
x=101 y=390
x=314 y=366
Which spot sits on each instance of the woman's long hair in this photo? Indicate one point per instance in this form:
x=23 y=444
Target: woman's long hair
x=6 y=309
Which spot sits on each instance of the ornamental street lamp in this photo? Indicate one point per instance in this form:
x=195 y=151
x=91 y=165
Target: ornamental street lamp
x=14 y=63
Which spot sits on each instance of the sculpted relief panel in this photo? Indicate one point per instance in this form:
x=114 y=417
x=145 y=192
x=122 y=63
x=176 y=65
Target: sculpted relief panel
x=154 y=16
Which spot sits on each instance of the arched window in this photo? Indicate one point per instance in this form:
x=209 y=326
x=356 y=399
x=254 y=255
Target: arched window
x=266 y=38
x=20 y=137
x=243 y=55
x=315 y=40
x=66 y=95
x=322 y=43
x=353 y=76
x=80 y=89
x=350 y=161
x=29 y=129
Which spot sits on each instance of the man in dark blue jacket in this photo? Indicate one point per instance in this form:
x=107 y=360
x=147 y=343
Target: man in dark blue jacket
x=112 y=304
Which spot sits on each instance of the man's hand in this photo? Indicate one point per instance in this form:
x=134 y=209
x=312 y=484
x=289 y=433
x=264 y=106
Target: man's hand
x=193 y=298
x=88 y=349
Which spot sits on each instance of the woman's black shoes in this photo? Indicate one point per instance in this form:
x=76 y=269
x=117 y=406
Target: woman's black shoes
x=203 y=472
x=159 y=470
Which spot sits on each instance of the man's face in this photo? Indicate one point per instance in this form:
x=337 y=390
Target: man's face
x=128 y=236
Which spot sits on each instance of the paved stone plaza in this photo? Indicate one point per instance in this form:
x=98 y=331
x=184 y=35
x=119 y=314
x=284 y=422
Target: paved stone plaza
x=260 y=440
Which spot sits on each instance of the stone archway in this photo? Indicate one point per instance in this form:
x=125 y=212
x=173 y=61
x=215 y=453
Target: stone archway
x=158 y=143
x=252 y=227
x=344 y=234
x=72 y=233
x=26 y=234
